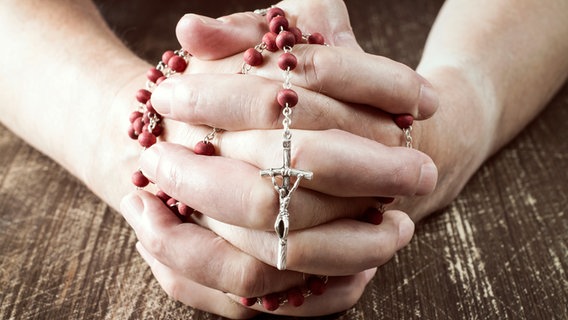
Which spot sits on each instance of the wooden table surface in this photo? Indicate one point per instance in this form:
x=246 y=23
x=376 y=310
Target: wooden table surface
x=499 y=251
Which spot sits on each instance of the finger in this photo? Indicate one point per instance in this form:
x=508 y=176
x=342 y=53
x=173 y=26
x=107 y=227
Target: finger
x=233 y=191
x=343 y=164
x=199 y=254
x=192 y=293
x=249 y=200
x=195 y=99
x=357 y=77
x=341 y=294
x=210 y=39
x=337 y=248
x=339 y=73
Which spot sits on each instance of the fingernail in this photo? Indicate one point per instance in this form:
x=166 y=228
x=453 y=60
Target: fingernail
x=145 y=254
x=161 y=96
x=428 y=179
x=149 y=162
x=405 y=232
x=428 y=101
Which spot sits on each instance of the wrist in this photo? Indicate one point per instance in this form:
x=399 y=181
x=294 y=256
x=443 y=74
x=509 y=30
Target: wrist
x=459 y=137
x=113 y=156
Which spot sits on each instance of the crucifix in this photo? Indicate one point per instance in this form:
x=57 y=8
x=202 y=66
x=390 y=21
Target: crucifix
x=284 y=190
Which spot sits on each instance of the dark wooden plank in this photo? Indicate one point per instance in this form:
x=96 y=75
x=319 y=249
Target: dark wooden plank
x=498 y=252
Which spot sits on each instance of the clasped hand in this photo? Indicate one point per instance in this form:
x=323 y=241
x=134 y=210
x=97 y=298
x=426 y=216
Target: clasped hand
x=342 y=131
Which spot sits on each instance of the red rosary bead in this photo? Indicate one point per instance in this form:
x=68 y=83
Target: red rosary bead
x=295 y=297
x=143 y=95
x=316 y=285
x=135 y=115
x=274 y=12
x=132 y=133
x=160 y=79
x=316 y=38
x=249 y=302
x=146 y=139
x=184 y=209
x=403 y=121
x=285 y=39
x=278 y=24
x=287 y=97
x=204 y=148
x=287 y=60
x=252 y=57
x=297 y=33
x=177 y=63
x=167 y=55
x=271 y=301
x=171 y=202
x=373 y=215
x=269 y=39
x=154 y=74
x=162 y=196
x=138 y=125
x=158 y=130
x=139 y=180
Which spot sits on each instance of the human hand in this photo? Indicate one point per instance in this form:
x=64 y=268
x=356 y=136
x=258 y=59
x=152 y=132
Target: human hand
x=355 y=192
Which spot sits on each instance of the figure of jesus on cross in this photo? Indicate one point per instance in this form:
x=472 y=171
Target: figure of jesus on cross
x=284 y=190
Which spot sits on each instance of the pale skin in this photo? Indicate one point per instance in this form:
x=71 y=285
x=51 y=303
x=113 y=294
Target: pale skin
x=488 y=91
x=79 y=120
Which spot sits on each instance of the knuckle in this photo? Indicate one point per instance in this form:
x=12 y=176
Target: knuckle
x=404 y=179
x=173 y=289
x=155 y=244
x=187 y=103
x=251 y=279
x=261 y=204
x=318 y=65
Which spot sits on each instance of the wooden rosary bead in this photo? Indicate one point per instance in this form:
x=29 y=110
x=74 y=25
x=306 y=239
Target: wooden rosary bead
x=132 y=133
x=285 y=39
x=316 y=38
x=252 y=57
x=297 y=33
x=154 y=74
x=295 y=297
x=269 y=39
x=204 y=148
x=146 y=139
x=316 y=285
x=184 y=209
x=287 y=97
x=134 y=115
x=274 y=12
x=271 y=301
x=143 y=95
x=138 y=125
x=278 y=24
x=166 y=56
x=287 y=60
x=139 y=180
x=403 y=121
x=177 y=63
x=249 y=302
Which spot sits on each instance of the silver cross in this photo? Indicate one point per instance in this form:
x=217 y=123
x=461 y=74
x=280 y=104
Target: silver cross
x=285 y=190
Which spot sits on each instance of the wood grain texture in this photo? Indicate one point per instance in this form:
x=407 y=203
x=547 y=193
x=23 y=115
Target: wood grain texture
x=499 y=251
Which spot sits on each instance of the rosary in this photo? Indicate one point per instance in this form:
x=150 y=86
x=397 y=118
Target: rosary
x=146 y=126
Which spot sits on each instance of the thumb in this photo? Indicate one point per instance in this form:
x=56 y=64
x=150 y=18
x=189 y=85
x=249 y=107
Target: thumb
x=210 y=39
